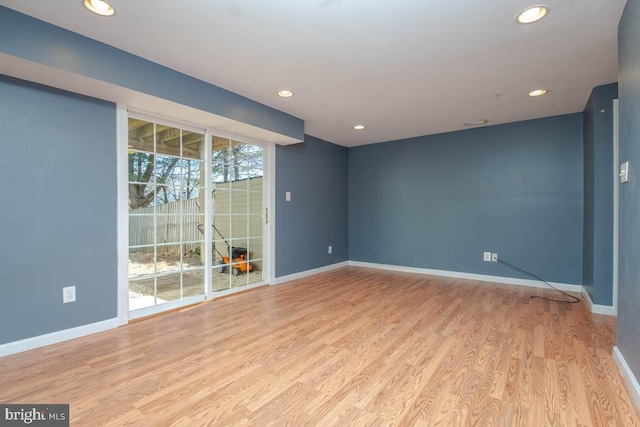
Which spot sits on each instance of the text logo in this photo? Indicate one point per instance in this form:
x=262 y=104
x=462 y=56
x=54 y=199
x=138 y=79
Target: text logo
x=42 y=415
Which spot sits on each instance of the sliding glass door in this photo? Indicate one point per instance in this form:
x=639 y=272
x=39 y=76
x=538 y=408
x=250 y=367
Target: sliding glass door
x=182 y=182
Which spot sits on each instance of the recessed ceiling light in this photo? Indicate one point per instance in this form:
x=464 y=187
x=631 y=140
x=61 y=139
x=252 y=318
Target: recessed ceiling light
x=99 y=7
x=358 y=127
x=476 y=122
x=285 y=93
x=538 y=92
x=532 y=14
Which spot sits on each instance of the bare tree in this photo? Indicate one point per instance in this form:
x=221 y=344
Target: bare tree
x=141 y=171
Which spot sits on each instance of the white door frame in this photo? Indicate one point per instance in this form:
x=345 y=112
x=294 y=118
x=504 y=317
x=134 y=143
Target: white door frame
x=122 y=137
x=270 y=214
x=616 y=201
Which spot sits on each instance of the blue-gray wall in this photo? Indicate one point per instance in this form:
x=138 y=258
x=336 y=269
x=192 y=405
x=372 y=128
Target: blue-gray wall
x=440 y=201
x=315 y=172
x=629 y=249
x=58 y=215
x=598 y=194
x=28 y=38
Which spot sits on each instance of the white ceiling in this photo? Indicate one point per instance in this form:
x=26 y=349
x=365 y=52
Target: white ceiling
x=402 y=68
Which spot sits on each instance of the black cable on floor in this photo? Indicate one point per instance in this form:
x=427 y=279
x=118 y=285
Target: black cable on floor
x=574 y=299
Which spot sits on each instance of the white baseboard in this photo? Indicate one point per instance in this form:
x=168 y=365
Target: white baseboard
x=469 y=276
x=58 y=336
x=303 y=274
x=608 y=310
x=627 y=375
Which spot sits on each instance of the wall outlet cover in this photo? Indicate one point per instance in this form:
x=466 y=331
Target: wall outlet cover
x=68 y=294
x=494 y=257
x=486 y=257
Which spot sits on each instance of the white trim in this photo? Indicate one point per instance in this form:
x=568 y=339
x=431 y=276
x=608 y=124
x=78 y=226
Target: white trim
x=469 y=276
x=170 y=305
x=58 y=336
x=607 y=310
x=616 y=201
x=308 y=273
x=270 y=189
x=122 y=212
x=627 y=375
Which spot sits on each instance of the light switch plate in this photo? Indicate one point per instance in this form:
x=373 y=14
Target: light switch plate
x=624 y=172
x=287 y=196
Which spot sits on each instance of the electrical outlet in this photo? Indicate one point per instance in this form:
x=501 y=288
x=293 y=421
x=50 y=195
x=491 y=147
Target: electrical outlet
x=330 y=250
x=68 y=294
x=287 y=196
x=494 y=257
x=487 y=257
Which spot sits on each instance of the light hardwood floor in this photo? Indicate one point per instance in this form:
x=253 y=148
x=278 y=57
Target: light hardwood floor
x=352 y=347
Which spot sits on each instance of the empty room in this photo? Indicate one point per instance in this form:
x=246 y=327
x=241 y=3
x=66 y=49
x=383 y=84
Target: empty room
x=320 y=213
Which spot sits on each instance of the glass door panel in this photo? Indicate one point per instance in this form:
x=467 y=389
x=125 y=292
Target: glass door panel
x=166 y=206
x=238 y=206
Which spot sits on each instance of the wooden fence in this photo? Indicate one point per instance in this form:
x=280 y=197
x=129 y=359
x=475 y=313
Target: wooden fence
x=141 y=226
x=243 y=198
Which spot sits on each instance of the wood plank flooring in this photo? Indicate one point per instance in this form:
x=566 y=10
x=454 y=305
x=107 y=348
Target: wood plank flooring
x=353 y=347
